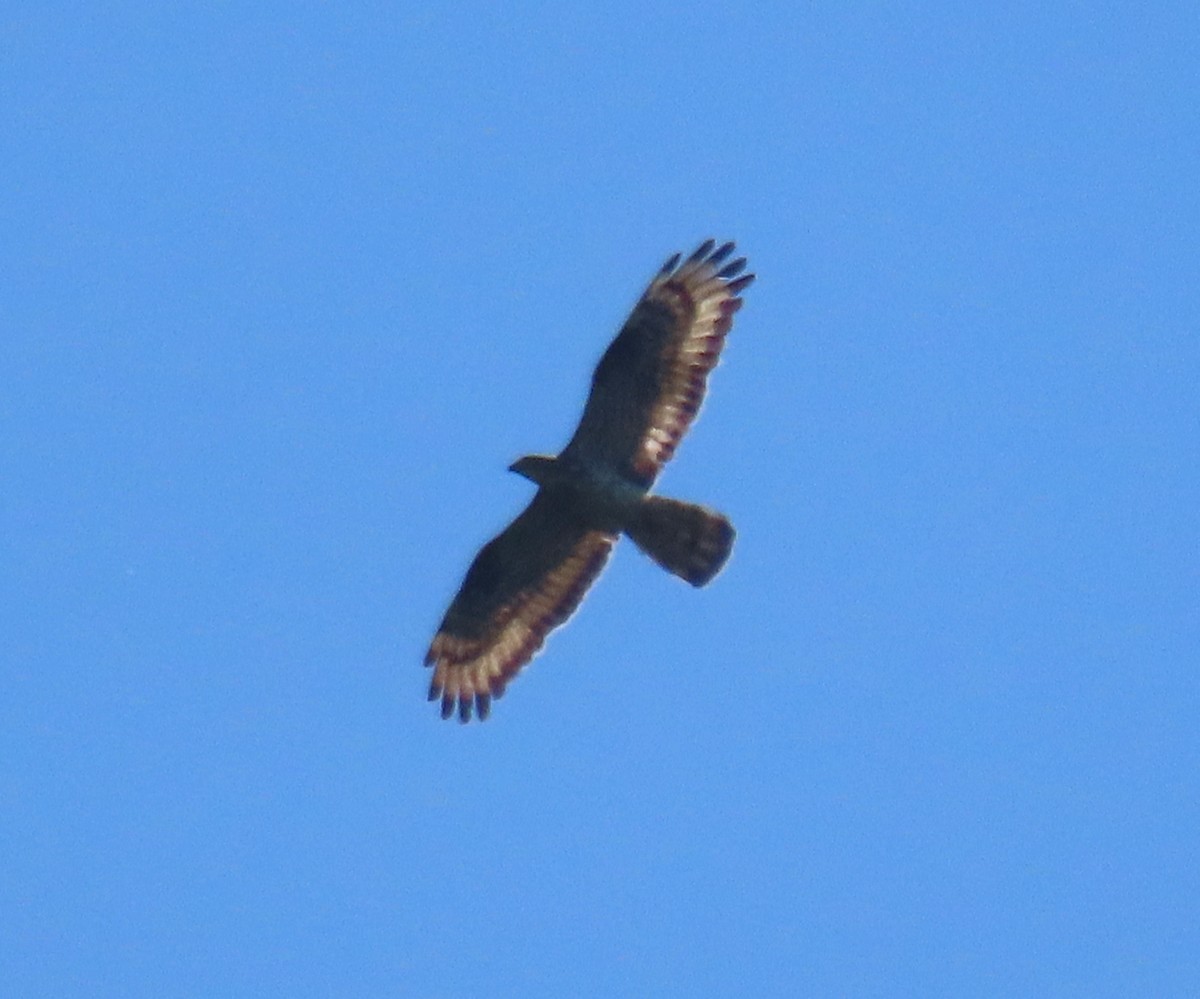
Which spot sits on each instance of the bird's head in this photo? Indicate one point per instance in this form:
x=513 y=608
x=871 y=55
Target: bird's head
x=535 y=467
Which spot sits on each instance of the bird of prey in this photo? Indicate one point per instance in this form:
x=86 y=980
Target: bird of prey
x=645 y=392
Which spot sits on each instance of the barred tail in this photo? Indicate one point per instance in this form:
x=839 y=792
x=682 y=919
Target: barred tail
x=688 y=540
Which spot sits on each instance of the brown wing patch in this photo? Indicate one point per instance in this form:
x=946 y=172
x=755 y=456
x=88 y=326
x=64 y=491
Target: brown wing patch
x=702 y=299
x=522 y=585
x=648 y=386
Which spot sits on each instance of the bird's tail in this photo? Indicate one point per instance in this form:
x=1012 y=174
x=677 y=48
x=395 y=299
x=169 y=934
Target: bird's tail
x=688 y=540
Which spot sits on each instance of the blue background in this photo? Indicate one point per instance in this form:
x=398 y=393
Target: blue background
x=285 y=289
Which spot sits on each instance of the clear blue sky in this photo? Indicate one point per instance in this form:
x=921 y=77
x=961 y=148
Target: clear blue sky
x=285 y=288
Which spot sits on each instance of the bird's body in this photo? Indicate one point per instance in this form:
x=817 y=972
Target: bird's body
x=645 y=392
x=612 y=498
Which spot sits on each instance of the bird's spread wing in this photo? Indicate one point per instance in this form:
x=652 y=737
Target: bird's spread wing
x=649 y=384
x=524 y=583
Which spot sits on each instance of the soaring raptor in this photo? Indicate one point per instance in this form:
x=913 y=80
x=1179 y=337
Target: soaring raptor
x=645 y=392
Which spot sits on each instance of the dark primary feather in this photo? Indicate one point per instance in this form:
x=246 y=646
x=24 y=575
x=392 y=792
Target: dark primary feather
x=648 y=386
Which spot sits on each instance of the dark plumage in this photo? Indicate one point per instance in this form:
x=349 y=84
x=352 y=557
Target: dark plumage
x=646 y=390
